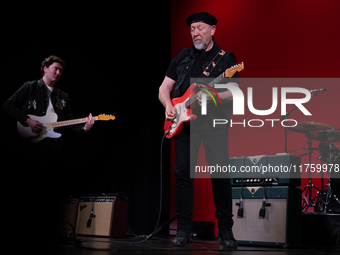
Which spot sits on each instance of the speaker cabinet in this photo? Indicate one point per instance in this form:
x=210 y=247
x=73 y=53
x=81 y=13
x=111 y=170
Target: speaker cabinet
x=102 y=216
x=271 y=216
x=69 y=213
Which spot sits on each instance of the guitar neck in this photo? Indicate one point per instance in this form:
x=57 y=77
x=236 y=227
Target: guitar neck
x=226 y=74
x=193 y=99
x=216 y=80
x=70 y=122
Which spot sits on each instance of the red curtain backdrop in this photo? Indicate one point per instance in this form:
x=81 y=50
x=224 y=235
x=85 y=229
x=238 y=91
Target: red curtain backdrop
x=274 y=39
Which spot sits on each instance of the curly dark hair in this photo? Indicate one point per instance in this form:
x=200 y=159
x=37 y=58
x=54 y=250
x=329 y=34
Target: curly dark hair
x=49 y=61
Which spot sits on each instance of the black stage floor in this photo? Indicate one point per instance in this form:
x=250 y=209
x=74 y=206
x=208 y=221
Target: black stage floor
x=157 y=245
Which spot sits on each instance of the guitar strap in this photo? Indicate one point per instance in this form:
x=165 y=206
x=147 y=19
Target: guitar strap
x=213 y=63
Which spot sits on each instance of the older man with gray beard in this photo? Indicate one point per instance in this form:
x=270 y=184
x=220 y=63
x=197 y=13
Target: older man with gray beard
x=190 y=64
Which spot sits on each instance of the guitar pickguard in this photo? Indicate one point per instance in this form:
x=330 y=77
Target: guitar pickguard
x=181 y=116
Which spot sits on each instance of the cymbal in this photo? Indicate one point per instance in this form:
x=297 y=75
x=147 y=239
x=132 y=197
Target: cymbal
x=325 y=136
x=311 y=126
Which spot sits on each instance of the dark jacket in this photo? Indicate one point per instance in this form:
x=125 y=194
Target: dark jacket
x=32 y=98
x=185 y=61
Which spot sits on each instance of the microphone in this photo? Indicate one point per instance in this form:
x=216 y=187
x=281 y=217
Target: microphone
x=262 y=213
x=317 y=90
x=89 y=221
x=240 y=209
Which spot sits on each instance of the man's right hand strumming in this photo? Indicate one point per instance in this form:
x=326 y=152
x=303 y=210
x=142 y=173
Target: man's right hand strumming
x=170 y=113
x=164 y=97
x=35 y=125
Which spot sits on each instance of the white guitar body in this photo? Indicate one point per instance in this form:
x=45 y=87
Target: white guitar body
x=46 y=132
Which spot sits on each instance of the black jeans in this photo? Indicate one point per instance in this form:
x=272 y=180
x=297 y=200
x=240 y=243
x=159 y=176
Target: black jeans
x=215 y=143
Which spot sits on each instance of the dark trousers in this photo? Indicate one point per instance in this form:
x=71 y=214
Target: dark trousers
x=41 y=184
x=187 y=144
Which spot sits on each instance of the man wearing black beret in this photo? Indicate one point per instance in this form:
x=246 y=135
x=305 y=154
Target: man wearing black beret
x=190 y=64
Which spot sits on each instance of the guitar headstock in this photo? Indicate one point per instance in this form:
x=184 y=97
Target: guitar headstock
x=232 y=70
x=106 y=117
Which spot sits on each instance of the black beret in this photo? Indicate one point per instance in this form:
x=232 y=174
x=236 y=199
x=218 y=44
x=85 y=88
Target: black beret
x=201 y=17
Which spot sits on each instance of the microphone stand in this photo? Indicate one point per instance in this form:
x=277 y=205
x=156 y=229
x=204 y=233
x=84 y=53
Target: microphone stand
x=286 y=118
x=310 y=186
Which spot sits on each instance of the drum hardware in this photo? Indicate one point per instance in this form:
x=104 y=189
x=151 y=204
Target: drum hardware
x=324 y=200
x=306 y=127
x=328 y=154
x=307 y=199
x=330 y=136
x=311 y=127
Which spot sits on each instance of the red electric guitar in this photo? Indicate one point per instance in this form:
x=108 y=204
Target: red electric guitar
x=185 y=103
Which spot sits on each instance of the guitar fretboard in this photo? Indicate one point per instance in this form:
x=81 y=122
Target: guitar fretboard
x=193 y=99
x=70 y=122
x=227 y=74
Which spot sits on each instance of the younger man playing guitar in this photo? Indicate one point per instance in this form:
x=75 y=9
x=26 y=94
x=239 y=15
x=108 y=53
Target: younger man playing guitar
x=41 y=97
x=44 y=174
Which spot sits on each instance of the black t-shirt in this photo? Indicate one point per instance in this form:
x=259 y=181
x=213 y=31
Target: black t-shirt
x=201 y=59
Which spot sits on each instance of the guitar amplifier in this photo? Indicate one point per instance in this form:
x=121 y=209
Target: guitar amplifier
x=271 y=221
x=69 y=214
x=102 y=216
x=281 y=169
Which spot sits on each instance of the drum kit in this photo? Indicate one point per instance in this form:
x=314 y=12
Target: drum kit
x=327 y=199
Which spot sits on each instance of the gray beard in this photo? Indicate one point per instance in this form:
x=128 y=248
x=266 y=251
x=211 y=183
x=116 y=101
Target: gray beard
x=199 y=46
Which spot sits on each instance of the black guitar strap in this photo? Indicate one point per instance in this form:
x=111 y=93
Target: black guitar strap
x=213 y=63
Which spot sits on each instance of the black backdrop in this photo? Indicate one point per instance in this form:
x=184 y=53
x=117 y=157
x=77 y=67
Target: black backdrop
x=116 y=58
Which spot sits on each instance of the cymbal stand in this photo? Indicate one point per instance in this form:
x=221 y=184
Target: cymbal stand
x=307 y=199
x=326 y=196
x=310 y=202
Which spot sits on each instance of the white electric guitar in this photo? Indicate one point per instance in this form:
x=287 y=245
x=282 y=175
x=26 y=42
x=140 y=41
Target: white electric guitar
x=49 y=123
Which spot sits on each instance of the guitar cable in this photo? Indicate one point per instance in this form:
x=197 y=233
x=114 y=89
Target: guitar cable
x=161 y=186
x=159 y=211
